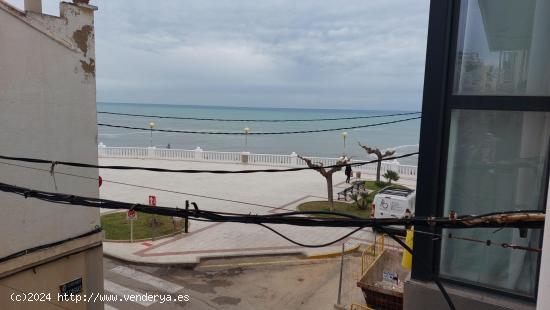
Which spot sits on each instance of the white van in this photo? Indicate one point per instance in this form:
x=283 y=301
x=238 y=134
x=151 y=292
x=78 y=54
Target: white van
x=393 y=202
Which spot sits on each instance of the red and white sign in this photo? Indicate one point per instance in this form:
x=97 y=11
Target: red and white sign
x=131 y=215
x=152 y=200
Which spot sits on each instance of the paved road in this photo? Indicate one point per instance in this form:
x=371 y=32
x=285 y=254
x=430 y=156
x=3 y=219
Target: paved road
x=283 y=282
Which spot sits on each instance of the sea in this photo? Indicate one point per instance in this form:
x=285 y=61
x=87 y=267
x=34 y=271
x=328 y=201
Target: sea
x=403 y=137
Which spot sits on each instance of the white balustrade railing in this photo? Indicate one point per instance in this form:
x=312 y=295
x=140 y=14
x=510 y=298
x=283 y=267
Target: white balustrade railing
x=270 y=159
x=233 y=157
x=292 y=160
x=174 y=154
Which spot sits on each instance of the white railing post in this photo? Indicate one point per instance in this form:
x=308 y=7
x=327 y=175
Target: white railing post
x=198 y=153
x=244 y=157
x=394 y=165
x=151 y=152
x=101 y=149
x=294 y=159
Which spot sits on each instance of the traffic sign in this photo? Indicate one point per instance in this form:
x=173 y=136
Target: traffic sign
x=152 y=200
x=131 y=215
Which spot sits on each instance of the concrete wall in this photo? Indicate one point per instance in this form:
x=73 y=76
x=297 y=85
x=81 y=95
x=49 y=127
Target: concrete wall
x=47 y=278
x=425 y=295
x=48 y=110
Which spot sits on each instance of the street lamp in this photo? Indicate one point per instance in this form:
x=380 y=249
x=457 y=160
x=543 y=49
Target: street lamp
x=344 y=136
x=151 y=126
x=246 y=131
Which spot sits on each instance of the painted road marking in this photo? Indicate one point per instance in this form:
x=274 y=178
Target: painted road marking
x=125 y=292
x=148 y=279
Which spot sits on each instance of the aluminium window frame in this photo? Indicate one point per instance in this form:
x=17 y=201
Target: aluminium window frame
x=438 y=102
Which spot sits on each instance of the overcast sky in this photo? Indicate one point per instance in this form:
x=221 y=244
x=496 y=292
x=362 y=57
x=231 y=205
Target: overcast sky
x=366 y=54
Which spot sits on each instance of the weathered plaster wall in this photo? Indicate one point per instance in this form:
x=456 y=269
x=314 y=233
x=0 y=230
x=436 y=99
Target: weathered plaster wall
x=47 y=110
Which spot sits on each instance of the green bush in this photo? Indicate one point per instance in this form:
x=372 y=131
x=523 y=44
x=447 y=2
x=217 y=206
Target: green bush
x=391 y=175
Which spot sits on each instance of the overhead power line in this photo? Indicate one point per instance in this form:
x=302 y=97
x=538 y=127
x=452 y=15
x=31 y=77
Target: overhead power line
x=255 y=133
x=149 y=187
x=83 y=165
x=511 y=219
x=256 y=120
x=486 y=242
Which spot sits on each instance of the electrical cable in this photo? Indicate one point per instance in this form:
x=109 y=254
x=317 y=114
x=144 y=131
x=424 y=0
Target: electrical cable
x=482 y=220
x=487 y=242
x=44 y=246
x=149 y=187
x=255 y=133
x=256 y=120
x=528 y=219
x=311 y=245
x=82 y=165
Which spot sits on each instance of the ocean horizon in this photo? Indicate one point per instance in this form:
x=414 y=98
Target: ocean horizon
x=403 y=137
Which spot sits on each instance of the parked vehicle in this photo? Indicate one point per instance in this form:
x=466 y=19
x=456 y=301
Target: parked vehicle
x=393 y=202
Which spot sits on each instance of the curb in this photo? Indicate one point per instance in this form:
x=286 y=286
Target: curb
x=192 y=265
x=142 y=263
x=335 y=254
x=145 y=239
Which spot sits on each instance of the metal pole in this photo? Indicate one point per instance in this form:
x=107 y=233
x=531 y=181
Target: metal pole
x=151 y=141
x=341 y=271
x=131 y=230
x=186 y=223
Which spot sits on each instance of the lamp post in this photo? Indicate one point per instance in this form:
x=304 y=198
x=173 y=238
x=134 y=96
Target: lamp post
x=151 y=126
x=246 y=131
x=344 y=136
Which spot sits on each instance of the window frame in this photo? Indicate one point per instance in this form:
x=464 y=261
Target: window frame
x=438 y=102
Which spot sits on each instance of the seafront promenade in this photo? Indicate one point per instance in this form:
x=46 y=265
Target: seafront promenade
x=406 y=172
x=258 y=193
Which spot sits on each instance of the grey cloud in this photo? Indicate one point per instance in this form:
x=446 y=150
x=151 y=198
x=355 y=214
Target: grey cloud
x=310 y=53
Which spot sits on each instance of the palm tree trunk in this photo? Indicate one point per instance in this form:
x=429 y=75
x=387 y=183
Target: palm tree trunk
x=330 y=194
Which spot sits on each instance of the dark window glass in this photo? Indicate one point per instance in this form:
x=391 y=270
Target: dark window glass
x=503 y=48
x=498 y=161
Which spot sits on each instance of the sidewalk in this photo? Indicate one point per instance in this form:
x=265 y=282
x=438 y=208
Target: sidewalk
x=264 y=193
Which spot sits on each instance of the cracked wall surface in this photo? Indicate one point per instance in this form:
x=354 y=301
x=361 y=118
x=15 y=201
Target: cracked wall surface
x=48 y=110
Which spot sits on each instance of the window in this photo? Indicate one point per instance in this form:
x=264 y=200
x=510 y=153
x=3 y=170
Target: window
x=497 y=161
x=503 y=48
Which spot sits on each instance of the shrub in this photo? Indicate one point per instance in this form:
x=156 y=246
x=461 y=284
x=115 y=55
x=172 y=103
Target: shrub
x=391 y=175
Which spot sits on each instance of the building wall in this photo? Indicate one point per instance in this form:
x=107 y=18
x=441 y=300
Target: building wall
x=419 y=295
x=46 y=279
x=47 y=104
x=48 y=110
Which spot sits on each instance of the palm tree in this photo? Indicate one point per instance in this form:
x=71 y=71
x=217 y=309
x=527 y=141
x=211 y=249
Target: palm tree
x=379 y=155
x=327 y=174
x=391 y=175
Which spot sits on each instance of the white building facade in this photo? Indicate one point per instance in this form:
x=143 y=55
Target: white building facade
x=48 y=110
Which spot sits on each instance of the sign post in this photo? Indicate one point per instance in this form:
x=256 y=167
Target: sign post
x=153 y=203
x=131 y=215
x=152 y=200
